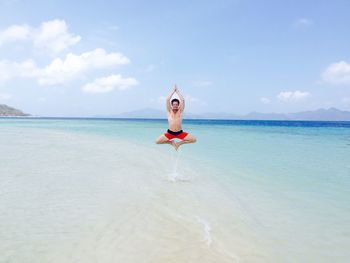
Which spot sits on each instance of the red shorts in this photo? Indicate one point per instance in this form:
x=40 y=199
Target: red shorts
x=172 y=135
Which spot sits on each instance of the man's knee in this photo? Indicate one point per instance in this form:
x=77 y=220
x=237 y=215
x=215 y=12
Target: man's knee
x=192 y=139
x=161 y=140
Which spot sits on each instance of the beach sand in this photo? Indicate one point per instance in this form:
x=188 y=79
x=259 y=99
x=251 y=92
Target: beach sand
x=85 y=198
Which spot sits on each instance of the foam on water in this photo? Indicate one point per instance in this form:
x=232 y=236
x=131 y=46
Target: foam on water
x=207 y=229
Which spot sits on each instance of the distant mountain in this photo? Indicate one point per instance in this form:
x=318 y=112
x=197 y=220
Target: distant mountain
x=331 y=114
x=9 y=111
x=262 y=116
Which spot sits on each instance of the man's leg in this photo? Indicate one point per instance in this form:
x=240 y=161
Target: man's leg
x=188 y=139
x=164 y=140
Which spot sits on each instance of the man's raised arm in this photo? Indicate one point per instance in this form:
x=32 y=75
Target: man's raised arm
x=182 y=100
x=168 y=105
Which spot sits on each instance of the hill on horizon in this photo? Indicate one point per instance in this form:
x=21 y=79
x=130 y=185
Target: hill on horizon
x=7 y=111
x=330 y=114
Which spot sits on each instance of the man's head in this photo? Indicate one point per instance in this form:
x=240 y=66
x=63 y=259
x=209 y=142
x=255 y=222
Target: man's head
x=175 y=104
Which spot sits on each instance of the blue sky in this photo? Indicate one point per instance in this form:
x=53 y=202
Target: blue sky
x=70 y=58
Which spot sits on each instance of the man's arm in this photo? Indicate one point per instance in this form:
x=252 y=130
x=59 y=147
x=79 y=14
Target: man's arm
x=168 y=105
x=182 y=100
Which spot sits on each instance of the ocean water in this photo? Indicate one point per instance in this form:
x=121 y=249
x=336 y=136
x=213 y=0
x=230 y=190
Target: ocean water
x=100 y=190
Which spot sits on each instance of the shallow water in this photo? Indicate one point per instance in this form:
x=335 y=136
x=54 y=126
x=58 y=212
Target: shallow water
x=101 y=191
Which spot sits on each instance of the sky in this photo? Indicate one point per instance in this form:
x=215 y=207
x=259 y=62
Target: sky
x=89 y=58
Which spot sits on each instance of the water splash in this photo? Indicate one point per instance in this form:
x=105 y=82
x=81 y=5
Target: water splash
x=174 y=175
x=206 y=229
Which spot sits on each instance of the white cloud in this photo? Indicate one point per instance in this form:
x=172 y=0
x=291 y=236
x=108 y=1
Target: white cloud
x=202 y=83
x=5 y=96
x=28 y=69
x=51 y=36
x=293 y=96
x=60 y=71
x=303 y=23
x=54 y=37
x=110 y=83
x=265 y=100
x=10 y=69
x=337 y=73
x=14 y=33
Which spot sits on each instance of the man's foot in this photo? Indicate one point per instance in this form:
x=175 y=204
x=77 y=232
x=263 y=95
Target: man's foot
x=174 y=145
x=177 y=145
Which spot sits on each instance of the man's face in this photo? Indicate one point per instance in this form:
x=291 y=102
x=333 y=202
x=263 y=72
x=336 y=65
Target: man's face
x=175 y=105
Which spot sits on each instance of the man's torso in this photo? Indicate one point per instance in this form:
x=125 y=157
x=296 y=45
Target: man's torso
x=175 y=121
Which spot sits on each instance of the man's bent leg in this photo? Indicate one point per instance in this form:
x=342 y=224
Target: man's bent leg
x=188 y=139
x=164 y=140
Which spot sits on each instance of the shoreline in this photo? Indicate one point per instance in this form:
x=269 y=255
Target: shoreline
x=284 y=123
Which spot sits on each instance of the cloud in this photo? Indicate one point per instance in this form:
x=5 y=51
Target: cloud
x=110 y=83
x=10 y=69
x=61 y=71
x=15 y=33
x=337 y=73
x=265 y=100
x=293 y=96
x=51 y=36
x=302 y=23
x=54 y=37
x=202 y=83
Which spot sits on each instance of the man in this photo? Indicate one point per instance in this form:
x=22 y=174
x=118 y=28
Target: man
x=175 y=109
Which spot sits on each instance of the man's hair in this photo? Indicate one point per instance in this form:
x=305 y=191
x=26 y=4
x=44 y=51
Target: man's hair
x=172 y=101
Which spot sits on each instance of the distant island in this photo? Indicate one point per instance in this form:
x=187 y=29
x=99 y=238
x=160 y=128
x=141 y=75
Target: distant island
x=331 y=114
x=7 y=111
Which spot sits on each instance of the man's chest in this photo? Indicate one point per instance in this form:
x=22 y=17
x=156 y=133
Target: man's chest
x=174 y=117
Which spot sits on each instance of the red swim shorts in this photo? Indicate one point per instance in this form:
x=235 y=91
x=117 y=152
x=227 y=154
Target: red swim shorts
x=172 y=135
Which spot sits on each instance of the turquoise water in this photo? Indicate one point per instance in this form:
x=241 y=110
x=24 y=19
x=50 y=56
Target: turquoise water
x=101 y=190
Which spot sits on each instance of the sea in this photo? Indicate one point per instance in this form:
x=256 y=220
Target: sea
x=100 y=190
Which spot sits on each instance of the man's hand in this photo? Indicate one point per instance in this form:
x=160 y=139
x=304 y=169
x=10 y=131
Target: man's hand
x=175 y=88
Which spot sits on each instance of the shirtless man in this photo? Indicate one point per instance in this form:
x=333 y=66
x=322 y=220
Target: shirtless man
x=175 y=109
